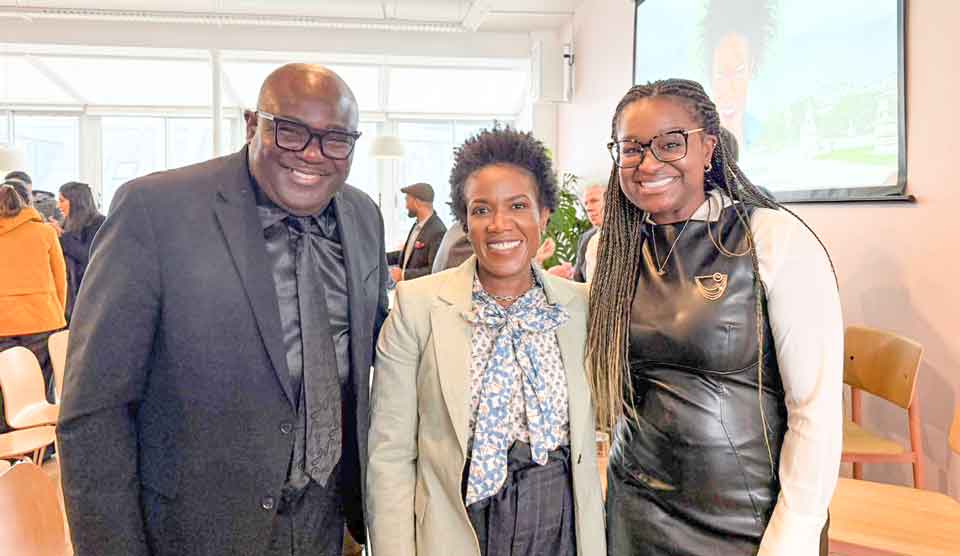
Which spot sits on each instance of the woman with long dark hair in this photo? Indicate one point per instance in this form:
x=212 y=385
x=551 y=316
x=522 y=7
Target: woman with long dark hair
x=715 y=345
x=81 y=221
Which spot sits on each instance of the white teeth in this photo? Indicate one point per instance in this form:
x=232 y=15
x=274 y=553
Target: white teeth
x=656 y=184
x=504 y=245
x=305 y=175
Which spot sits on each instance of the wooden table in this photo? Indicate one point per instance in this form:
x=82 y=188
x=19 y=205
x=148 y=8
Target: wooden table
x=868 y=518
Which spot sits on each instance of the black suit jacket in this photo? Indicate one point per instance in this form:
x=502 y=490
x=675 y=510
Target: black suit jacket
x=580 y=267
x=421 y=260
x=173 y=429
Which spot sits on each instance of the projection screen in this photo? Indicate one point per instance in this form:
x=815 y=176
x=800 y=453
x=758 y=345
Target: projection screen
x=813 y=91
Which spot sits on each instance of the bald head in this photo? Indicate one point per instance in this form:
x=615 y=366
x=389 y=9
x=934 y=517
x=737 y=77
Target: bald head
x=302 y=96
x=307 y=81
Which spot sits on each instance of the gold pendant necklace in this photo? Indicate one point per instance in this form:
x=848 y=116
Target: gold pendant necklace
x=661 y=268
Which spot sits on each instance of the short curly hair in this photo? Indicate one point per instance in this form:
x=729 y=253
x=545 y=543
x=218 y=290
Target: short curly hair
x=501 y=146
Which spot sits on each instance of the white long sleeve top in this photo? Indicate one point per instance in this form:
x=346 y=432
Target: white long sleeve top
x=803 y=306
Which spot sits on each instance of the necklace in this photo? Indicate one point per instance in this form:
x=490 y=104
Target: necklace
x=511 y=298
x=661 y=267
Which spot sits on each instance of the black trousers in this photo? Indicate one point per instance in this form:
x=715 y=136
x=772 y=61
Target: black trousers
x=533 y=513
x=309 y=522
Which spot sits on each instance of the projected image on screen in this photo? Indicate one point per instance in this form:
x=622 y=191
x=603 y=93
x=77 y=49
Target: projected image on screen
x=810 y=90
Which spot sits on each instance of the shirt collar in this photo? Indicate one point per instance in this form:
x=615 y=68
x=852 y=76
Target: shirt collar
x=270 y=214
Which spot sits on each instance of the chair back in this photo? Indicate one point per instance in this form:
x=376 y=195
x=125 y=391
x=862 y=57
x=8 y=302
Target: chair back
x=33 y=523
x=22 y=382
x=882 y=363
x=955 y=432
x=58 y=358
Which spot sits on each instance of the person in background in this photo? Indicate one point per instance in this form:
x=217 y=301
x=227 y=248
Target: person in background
x=81 y=221
x=33 y=281
x=482 y=435
x=419 y=251
x=715 y=346
x=217 y=382
x=23 y=178
x=586 y=257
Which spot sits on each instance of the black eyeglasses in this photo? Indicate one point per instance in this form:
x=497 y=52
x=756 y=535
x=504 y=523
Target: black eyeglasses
x=666 y=147
x=295 y=136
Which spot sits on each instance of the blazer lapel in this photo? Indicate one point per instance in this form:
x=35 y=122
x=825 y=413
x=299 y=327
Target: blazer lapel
x=571 y=337
x=452 y=336
x=236 y=211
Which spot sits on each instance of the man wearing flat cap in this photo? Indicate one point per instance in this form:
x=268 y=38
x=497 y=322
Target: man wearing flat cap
x=416 y=257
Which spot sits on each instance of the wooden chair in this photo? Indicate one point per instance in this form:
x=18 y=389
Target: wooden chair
x=31 y=442
x=955 y=432
x=57 y=344
x=25 y=402
x=885 y=365
x=32 y=523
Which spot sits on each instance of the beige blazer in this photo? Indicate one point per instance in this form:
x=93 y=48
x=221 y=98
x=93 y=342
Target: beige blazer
x=420 y=419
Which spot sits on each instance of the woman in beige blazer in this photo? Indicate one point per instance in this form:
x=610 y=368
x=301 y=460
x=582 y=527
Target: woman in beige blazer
x=482 y=431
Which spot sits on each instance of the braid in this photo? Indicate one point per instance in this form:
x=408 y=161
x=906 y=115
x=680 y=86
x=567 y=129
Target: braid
x=620 y=250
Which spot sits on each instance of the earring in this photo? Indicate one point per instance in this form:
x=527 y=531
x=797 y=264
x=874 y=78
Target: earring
x=708 y=167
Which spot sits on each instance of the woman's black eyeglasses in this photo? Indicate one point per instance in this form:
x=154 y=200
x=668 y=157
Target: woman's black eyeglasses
x=666 y=147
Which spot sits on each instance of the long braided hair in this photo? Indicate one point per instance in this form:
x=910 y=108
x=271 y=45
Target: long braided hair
x=620 y=252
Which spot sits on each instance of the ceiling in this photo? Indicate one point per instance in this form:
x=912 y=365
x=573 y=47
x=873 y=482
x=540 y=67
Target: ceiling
x=426 y=15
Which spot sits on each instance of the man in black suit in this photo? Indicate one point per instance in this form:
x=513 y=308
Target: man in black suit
x=216 y=396
x=420 y=249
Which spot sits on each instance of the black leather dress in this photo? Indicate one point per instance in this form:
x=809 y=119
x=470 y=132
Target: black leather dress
x=693 y=476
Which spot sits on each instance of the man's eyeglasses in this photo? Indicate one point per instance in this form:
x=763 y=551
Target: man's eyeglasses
x=295 y=136
x=666 y=147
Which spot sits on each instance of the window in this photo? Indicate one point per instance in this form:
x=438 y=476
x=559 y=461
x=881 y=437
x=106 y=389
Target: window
x=189 y=140
x=363 y=170
x=132 y=147
x=52 y=146
x=5 y=128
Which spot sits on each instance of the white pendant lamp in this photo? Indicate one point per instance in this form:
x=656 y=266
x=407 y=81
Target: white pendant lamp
x=387 y=147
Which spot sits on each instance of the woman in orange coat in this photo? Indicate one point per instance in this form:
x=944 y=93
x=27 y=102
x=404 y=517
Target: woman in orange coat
x=33 y=281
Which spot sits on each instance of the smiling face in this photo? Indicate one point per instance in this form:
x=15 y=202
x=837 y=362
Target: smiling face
x=504 y=223
x=300 y=182
x=64 y=205
x=732 y=71
x=669 y=191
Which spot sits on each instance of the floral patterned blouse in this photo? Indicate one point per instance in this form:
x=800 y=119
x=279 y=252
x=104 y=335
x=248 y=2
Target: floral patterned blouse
x=518 y=385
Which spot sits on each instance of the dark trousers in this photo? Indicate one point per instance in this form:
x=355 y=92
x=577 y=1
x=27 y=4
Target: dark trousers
x=309 y=522
x=532 y=514
x=37 y=343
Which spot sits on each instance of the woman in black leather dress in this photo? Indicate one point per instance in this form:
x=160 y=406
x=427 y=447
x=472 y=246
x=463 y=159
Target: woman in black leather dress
x=715 y=346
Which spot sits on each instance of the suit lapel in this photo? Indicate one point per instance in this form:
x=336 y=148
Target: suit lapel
x=571 y=338
x=352 y=257
x=236 y=212
x=452 y=344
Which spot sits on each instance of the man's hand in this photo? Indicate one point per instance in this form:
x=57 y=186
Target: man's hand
x=396 y=273
x=546 y=250
x=56 y=226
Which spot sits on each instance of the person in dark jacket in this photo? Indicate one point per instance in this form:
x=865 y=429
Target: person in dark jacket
x=420 y=249
x=81 y=221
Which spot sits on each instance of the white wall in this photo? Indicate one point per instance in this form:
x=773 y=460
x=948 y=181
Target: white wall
x=898 y=265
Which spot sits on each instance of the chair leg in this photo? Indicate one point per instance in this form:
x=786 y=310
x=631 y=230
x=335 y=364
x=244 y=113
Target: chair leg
x=40 y=453
x=916 y=443
x=858 y=471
